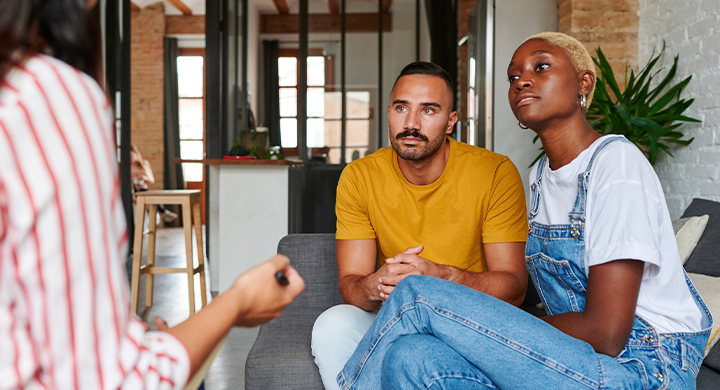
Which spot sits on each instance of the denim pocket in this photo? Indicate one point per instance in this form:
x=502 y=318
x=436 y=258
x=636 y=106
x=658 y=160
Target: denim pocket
x=634 y=365
x=557 y=283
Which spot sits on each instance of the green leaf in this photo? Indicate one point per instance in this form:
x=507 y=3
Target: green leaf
x=624 y=114
x=607 y=74
x=669 y=96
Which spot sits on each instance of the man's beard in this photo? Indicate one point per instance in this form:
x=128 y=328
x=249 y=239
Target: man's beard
x=417 y=153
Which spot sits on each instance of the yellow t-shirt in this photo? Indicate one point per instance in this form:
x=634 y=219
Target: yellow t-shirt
x=478 y=199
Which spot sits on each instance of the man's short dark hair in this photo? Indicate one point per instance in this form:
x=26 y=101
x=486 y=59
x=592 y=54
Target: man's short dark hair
x=429 y=69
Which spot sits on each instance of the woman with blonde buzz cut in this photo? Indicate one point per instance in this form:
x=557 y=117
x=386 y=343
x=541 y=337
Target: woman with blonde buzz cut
x=621 y=313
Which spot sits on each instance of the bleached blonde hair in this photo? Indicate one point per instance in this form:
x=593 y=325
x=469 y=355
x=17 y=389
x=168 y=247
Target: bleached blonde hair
x=578 y=54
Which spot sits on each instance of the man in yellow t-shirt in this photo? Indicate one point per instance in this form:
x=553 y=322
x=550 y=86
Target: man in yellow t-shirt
x=428 y=205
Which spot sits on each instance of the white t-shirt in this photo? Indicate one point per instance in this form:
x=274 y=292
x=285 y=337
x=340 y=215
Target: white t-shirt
x=626 y=218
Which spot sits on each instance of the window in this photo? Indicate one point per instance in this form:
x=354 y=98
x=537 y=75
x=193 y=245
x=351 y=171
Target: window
x=323 y=109
x=288 y=70
x=191 y=91
x=471 y=103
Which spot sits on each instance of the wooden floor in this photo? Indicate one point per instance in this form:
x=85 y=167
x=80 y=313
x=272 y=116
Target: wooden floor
x=170 y=301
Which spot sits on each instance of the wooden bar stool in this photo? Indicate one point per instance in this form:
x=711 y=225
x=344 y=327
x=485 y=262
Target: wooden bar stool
x=190 y=203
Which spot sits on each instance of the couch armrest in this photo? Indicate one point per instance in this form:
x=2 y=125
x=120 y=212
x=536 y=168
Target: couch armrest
x=313 y=255
x=281 y=357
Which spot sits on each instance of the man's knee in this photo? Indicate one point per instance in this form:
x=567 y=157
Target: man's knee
x=340 y=325
x=335 y=335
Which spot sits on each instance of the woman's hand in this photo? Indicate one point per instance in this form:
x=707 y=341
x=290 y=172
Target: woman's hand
x=260 y=296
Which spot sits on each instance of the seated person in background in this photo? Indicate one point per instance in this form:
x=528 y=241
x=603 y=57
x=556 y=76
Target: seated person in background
x=65 y=319
x=601 y=251
x=141 y=175
x=428 y=206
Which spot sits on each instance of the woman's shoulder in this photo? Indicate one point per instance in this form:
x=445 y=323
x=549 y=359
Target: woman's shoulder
x=622 y=163
x=45 y=77
x=618 y=153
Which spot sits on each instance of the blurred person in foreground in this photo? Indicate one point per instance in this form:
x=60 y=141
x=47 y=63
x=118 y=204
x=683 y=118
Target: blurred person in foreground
x=65 y=320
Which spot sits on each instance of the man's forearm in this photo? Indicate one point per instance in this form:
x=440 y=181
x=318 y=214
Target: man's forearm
x=356 y=290
x=505 y=286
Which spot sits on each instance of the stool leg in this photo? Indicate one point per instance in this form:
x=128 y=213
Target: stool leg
x=197 y=223
x=152 y=239
x=187 y=226
x=137 y=252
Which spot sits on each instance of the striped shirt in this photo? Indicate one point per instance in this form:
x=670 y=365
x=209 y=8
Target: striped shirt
x=65 y=320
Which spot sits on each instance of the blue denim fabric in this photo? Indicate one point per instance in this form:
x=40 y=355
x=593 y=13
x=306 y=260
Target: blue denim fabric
x=432 y=333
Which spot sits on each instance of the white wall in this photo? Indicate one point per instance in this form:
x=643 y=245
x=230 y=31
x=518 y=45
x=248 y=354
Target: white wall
x=691 y=29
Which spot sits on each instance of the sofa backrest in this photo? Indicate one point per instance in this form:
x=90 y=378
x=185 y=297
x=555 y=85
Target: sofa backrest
x=313 y=255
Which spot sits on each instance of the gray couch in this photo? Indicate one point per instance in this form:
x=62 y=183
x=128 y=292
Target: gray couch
x=281 y=358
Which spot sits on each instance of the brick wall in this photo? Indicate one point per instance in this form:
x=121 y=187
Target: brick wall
x=147 y=72
x=610 y=24
x=691 y=29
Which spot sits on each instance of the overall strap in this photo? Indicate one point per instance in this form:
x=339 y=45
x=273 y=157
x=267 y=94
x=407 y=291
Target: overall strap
x=577 y=215
x=535 y=190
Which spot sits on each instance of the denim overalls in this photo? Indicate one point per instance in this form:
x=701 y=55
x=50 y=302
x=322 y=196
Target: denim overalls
x=555 y=258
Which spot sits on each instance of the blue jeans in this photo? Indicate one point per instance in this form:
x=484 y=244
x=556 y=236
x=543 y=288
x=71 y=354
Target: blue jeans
x=432 y=333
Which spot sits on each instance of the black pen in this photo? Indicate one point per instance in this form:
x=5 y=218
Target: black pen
x=280 y=276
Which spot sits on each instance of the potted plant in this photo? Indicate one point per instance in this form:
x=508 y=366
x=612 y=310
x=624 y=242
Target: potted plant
x=253 y=143
x=646 y=113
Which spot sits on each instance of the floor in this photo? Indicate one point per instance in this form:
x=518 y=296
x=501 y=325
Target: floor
x=170 y=301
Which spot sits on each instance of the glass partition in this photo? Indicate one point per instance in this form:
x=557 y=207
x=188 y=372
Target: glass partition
x=369 y=75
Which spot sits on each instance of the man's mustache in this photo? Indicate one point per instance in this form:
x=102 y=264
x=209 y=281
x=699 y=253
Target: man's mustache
x=412 y=133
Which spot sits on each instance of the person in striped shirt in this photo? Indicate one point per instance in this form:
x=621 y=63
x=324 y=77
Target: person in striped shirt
x=65 y=319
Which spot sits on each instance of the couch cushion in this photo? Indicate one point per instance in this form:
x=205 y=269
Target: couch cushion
x=687 y=233
x=707 y=379
x=712 y=360
x=709 y=289
x=705 y=259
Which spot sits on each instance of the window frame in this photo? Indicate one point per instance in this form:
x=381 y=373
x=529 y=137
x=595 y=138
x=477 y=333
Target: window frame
x=196 y=52
x=329 y=86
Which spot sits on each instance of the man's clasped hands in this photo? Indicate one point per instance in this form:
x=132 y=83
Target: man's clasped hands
x=406 y=263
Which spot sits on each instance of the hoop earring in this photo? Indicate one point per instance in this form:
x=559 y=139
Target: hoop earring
x=583 y=101
x=520 y=125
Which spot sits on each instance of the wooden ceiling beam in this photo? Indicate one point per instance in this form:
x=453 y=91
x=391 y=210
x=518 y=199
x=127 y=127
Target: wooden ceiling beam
x=181 y=24
x=386 y=5
x=334 y=6
x=181 y=6
x=282 y=6
x=317 y=23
